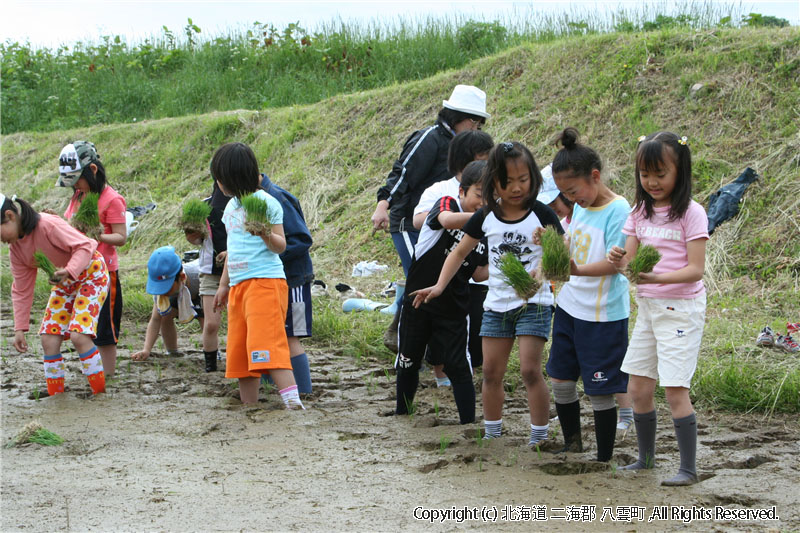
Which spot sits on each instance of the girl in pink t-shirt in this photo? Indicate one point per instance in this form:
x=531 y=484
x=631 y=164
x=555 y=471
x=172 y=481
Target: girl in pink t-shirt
x=672 y=302
x=90 y=176
x=79 y=288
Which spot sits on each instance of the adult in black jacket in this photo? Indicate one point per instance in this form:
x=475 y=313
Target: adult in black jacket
x=423 y=162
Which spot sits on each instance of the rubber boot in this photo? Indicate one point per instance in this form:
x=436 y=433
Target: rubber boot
x=390 y=335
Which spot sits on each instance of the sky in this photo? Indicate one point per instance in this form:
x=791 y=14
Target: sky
x=47 y=24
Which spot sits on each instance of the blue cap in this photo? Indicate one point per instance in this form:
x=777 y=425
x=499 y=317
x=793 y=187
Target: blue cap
x=162 y=267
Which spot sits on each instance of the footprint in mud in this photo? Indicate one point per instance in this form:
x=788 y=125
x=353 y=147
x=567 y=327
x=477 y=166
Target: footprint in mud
x=574 y=468
x=426 y=469
x=748 y=464
x=731 y=499
x=353 y=436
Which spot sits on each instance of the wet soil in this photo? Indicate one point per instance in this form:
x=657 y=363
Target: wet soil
x=171 y=448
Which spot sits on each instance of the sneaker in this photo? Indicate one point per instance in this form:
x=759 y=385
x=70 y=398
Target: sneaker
x=791 y=329
x=766 y=337
x=787 y=343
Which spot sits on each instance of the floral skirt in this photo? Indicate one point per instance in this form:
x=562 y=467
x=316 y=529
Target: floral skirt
x=75 y=305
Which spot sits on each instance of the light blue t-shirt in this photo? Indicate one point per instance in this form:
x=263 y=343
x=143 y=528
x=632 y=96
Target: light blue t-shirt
x=248 y=255
x=593 y=231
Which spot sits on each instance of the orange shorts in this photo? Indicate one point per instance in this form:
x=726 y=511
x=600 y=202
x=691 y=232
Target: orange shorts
x=256 y=333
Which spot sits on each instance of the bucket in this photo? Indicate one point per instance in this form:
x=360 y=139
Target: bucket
x=130 y=223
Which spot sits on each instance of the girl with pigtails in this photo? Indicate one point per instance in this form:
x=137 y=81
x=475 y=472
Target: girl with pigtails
x=79 y=288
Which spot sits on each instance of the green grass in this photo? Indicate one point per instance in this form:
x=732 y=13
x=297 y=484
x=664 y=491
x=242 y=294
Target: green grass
x=257 y=217
x=334 y=154
x=186 y=71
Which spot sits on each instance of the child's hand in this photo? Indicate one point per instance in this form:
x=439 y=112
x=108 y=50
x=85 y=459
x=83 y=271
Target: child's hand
x=647 y=277
x=58 y=276
x=615 y=256
x=221 y=298
x=574 y=269
x=20 y=342
x=194 y=237
x=140 y=356
x=423 y=296
x=537 y=236
x=220 y=259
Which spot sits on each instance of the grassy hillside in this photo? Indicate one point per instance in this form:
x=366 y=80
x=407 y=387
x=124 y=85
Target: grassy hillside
x=334 y=155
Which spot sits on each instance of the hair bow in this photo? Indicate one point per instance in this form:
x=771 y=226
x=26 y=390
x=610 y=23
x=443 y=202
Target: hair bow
x=683 y=140
x=641 y=138
x=507 y=147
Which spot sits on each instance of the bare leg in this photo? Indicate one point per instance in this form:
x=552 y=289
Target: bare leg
x=109 y=355
x=248 y=390
x=495 y=361
x=530 y=366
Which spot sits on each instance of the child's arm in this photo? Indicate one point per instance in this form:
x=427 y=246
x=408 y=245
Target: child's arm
x=621 y=257
x=117 y=237
x=419 y=219
x=221 y=298
x=150 y=337
x=481 y=273
x=275 y=239
x=598 y=268
x=451 y=220
x=449 y=269
x=696 y=252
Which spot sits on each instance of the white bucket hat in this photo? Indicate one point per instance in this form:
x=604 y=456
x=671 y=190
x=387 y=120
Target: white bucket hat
x=549 y=191
x=467 y=99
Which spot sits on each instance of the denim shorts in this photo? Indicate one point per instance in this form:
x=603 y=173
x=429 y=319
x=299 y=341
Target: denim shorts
x=532 y=319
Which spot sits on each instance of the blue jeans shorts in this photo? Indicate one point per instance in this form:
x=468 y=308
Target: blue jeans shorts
x=532 y=319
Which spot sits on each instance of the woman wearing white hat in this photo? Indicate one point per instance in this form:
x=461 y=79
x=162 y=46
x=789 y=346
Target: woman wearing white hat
x=423 y=162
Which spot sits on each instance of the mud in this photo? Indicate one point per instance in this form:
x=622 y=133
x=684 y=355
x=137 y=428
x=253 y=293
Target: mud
x=171 y=448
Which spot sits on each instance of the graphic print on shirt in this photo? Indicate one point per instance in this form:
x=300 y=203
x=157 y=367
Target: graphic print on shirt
x=512 y=242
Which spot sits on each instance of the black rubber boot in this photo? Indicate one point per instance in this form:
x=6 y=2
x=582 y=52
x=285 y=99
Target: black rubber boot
x=211 y=361
x=569 y=416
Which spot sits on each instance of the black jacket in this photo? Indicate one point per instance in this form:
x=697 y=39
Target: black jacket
x=422 y=163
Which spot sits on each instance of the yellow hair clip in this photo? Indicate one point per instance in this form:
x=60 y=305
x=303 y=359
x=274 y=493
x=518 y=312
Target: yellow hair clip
x=683 y=140
x=641 y=138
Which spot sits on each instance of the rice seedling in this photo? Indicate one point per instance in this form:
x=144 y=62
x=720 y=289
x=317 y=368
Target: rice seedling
x=194 y=215
x=646 y=258
x=87 y=218
x=555 y=256
x=256 y=215
x=35 y=432
x=444 y=442
x=515 y=275
x=44 y=263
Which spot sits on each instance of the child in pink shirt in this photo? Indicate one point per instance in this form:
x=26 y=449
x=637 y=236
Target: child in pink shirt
x=80 y=286
x=672 y=302
x=80 y=168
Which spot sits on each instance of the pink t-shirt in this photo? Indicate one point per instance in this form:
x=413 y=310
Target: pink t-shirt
x=65 y=246
x=670 y=238
x=111 y=206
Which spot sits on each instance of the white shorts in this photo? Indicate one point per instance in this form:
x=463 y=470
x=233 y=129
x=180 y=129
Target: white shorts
x=666 y=340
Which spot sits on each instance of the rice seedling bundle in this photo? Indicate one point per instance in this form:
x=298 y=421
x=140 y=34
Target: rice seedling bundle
x=256 y=215
x=44 y=263
x=555 y=255
x=194 y=215
x=646 y=258
x=87 y=218
x=35 y=432
x=515 y=275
